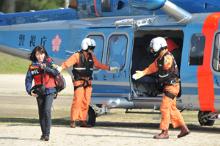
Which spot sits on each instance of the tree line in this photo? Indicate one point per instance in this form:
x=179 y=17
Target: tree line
x=10 y=6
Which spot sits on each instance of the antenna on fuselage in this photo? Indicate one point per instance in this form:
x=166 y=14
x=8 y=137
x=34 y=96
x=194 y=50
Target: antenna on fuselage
x=134 y=23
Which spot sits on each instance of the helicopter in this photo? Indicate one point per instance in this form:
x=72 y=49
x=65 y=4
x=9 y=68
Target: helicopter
x=122 y=30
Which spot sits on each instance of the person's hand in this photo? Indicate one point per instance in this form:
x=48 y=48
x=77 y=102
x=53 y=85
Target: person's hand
x=138 y=75
x=114 y=69
x=33 y=94
x=57 y=67
x=42 y=65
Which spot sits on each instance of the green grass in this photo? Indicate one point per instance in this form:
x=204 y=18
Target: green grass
x=12 y=65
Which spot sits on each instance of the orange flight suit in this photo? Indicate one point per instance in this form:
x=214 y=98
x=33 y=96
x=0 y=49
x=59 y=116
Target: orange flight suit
x=168 y=106
x=82 y=96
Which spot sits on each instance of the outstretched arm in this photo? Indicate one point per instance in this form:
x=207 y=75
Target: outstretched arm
x=152 y=68
x=51 y=70
x=99 y=65
x=70 y=61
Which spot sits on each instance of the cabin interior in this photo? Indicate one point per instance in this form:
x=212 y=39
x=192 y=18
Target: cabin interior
x=148 y=86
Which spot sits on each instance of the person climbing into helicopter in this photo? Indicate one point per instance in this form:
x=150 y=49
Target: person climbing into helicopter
x=168 y=77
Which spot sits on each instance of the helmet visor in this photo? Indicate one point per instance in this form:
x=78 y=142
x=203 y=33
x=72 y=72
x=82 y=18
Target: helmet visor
x=91 y=48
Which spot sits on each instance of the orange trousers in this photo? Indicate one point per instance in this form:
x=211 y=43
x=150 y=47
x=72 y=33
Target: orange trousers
x=80 y=103
x=168 y=109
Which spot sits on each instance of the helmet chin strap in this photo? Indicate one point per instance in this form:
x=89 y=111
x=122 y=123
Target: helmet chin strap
x=84 y=50
x=156 y=54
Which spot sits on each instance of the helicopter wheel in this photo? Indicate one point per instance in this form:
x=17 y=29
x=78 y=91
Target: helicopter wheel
x=91 y=120
x=204 y=120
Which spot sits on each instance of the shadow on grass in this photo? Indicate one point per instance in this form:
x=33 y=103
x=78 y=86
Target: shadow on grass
x=192 y=127
x=60 y=121
x=65 y=122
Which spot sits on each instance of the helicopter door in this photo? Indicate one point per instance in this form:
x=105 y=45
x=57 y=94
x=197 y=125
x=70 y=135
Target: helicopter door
x=115 y=56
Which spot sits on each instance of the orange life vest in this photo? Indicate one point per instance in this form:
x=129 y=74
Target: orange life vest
x=41 y=77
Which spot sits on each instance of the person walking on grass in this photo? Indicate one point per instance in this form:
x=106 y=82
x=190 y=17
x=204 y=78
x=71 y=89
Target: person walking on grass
x=42 y=72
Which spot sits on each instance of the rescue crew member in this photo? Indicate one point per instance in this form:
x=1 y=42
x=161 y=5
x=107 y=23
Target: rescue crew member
x=42 y=73
x=83 y=62
x=168 y=76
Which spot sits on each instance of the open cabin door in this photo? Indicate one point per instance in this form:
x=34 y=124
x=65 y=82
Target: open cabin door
x=148 y=87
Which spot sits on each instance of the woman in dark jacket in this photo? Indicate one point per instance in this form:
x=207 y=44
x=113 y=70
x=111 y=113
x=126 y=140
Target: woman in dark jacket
x=42 y=72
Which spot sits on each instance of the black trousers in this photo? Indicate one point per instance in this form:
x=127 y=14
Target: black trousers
x=44 y=111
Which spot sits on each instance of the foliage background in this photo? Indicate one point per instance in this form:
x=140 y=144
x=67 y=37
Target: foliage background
x=9 y=6
x=10 y=64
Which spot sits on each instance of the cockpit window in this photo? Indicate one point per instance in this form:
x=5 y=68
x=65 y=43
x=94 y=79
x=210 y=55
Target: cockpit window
x=117 y=49
x=216 y=53
x=197 y=49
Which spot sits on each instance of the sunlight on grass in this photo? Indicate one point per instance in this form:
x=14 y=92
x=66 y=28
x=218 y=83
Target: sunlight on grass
x=10 y=64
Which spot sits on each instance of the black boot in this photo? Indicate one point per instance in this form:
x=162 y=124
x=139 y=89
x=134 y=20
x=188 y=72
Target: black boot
x=73 y=124
x=84 y=124
x=184 y=131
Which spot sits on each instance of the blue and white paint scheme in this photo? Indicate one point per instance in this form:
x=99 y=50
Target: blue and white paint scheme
x=122 y=30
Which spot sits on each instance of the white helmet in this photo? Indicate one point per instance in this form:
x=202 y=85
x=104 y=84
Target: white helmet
x=93 y=43
x=87 y=42
x=157 y=43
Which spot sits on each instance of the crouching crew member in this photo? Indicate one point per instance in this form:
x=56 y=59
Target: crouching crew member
x=168 y=76
x=83 y=62
x=42 y=72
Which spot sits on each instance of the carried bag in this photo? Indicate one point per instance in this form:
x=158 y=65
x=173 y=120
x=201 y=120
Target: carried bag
x=60 y=82
x=40 y=90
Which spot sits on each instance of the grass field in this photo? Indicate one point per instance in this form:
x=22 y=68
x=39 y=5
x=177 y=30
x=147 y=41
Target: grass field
x=12 y=65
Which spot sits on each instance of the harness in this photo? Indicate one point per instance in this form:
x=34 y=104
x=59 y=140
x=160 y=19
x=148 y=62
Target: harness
x=168 y=77
x=169 y=94
x=83 y=70
x=86 y=83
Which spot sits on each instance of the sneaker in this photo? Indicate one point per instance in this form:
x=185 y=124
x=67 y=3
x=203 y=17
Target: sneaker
x=46 y=138
x=42 y=137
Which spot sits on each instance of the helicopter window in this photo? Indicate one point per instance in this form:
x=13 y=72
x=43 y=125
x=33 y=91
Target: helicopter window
x=106 y=6
x=197 y=49
x=120 y=5
x=216 y=53
x=117 y=48
x=98 y=51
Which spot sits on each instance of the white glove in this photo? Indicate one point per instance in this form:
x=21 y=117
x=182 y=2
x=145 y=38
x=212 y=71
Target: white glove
x=58 y=68
x=114 y=69
x=138 y=75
